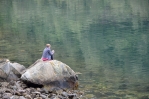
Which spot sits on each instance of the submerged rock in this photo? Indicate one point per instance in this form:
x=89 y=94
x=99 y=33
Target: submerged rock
x=10 y=71
x=52 y=75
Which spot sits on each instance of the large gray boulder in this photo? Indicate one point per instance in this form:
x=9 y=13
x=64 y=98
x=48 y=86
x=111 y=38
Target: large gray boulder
x=10 y=71
x=51 y=74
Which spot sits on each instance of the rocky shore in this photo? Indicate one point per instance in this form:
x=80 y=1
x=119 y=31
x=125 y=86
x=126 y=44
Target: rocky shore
x=20 y=90
x=36 y=82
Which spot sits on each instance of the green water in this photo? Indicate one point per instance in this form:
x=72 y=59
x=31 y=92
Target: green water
x=106 y=40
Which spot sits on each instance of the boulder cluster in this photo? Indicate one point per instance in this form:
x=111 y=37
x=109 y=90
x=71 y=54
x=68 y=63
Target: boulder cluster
x=42 y=80
x=20 y=90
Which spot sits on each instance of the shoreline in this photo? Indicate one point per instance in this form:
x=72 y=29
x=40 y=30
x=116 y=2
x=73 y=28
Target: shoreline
x=19 y=90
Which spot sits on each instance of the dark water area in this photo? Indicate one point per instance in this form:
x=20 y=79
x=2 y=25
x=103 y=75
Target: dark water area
x=106 y=40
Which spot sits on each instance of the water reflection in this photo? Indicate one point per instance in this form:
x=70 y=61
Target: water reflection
x=105 y=40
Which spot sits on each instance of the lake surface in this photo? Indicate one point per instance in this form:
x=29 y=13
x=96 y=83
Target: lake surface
x=106 y=40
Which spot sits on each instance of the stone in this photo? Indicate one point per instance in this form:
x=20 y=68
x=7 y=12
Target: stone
x=22 y=97
x=11 y=71
x=61 y=76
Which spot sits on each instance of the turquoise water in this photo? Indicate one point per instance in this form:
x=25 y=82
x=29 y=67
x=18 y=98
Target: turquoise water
x=107 y=41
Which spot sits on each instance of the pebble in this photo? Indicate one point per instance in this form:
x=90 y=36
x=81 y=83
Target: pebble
x=43 y=96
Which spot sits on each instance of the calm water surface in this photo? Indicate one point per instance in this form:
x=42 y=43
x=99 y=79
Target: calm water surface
x=107 y=41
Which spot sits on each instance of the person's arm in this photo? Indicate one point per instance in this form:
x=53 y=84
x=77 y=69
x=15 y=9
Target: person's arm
x=51 y=52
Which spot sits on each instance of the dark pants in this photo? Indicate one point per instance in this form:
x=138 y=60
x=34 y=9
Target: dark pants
x=51 y=57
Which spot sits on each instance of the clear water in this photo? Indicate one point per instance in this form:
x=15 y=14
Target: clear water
x=106 y=40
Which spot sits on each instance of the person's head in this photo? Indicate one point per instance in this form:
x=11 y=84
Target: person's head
x=48 y=45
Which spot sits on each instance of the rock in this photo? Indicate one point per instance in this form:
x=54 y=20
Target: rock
x=38 y=98
x=65 y=94
x=13 y=87
x=21 y=91
x=34 y=93
x=11 y=71
x=52 y=74
x=22 y=97
x=17 y=93
x=42 y=90
x=65 y=78
x=3 y=60
x=8 y=91
x=14 y=97
x=71 y=96
x=43 y=96
x=6 y=95
x=28 y=97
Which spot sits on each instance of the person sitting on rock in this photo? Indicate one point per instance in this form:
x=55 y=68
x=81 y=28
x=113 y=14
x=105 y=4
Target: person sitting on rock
x=47 y=53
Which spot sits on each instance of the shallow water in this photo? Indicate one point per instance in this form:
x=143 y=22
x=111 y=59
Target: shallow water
x=107 y=41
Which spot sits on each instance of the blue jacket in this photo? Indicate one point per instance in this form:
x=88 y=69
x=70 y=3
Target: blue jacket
x=47 y=53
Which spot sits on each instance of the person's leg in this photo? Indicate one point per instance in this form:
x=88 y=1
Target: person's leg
x=51 y=57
